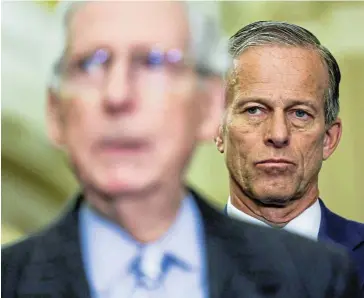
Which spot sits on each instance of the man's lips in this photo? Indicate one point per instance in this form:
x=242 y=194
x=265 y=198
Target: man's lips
x=123 y=146
x=275 y=162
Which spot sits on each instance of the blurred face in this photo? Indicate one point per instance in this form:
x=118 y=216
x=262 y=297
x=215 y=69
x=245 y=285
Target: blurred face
x=274 y=135
x=128 y=110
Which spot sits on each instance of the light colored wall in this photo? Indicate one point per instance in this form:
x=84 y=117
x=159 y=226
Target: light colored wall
x=35 y=180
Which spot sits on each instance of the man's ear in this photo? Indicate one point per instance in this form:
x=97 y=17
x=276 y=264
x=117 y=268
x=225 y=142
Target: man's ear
x=219 y=139
x=213 y=108
x=54 y=118
x=332 y=138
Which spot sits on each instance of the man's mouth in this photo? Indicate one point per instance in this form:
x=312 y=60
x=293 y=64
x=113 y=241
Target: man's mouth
x=276 y=165
x=123 y=146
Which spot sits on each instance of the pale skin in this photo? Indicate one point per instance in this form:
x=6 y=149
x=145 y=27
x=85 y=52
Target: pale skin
x=130 y=140
x=274 y=136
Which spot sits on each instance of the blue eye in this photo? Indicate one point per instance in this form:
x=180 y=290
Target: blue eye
x=253 y=110
x=155 y=58
x=300 y=113
x=99 y=58
x=159 y=58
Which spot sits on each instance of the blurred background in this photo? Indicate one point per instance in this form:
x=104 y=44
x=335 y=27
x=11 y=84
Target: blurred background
x=36 y=181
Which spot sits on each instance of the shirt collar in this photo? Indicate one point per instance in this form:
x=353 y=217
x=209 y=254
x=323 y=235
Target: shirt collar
x=183 y=240
x=108 y=250
x=307 y=224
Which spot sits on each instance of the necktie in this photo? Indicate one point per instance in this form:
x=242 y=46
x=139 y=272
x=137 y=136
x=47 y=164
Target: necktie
x=148 y=270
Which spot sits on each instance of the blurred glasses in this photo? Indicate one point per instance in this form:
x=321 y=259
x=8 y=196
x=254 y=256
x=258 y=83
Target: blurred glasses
x=144 y=66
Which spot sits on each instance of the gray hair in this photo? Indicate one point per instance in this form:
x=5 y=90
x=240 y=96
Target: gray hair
x=282 y=33
x=208 y=48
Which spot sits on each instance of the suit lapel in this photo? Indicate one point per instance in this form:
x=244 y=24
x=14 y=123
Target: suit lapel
x=73 y=267
x=238 y=266
x=219 y=271
x=227 y=276
x=338 y=230
x=345 y=233
x=56 y=268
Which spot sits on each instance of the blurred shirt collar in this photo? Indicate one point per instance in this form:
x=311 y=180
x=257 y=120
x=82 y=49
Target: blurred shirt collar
x=108 y=250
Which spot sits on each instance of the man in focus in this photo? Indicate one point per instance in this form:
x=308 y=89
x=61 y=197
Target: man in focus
x=281 y=122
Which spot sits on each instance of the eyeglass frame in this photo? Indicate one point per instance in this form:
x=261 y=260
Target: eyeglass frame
x=174 y=56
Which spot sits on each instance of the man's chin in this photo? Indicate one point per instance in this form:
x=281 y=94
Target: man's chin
x=125 y=187
x=273 y=198
x=275 y=201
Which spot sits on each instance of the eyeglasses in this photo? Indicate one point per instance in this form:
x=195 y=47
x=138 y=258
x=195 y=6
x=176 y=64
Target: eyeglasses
x=145 y=65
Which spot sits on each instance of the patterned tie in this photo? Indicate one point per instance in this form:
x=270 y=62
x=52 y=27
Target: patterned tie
x=149 y=271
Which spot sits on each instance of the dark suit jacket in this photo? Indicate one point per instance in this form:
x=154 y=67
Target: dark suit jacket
x=243 y=261
x=346 y=233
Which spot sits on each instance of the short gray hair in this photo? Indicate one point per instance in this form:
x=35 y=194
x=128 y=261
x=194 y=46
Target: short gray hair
x=282 y=33
x=207 y=47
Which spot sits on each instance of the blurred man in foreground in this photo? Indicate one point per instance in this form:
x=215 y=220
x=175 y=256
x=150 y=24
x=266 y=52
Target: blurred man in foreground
x=130 y=101
x=280 y=124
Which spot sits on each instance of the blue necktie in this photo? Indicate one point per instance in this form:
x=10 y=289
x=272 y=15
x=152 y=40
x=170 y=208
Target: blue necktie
x=149 y=270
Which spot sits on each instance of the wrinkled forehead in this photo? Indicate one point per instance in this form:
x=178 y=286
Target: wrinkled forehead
x=121 y=24
x=278 y=69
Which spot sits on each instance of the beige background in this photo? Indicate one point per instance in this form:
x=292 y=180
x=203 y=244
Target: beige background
x=36 y=181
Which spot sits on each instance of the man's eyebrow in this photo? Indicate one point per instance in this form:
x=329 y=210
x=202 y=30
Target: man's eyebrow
x=240 y=102
x=300 y=102
x=83 y=51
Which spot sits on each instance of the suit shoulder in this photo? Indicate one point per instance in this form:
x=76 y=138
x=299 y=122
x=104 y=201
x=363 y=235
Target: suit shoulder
x=302 y=248
x=331 y=263
x=14 y=258
x=338 y=222
x=316 y=266
x=17 y=252
x=358 y=226
x=308 y=256
x=17 y=255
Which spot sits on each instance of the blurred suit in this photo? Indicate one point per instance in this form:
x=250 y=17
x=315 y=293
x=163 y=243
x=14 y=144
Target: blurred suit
x=331 y=228
x=243 y=260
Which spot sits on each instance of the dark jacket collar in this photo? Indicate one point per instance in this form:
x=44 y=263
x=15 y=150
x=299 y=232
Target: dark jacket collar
x=236 y=260
x=67 y=247
x=335 y=228
x=54 y=266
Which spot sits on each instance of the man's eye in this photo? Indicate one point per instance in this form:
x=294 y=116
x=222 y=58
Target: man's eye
x=93 y=62
x=152 y=59
x=159 y=59
x=301 y=114
x=253 y=110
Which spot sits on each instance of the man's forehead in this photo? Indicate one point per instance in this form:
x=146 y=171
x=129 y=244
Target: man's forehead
x=259 y=73
x=274 y=58
x=162 y=22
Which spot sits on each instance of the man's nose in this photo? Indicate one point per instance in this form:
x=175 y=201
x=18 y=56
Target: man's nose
x=119 y=93
x=277 y=131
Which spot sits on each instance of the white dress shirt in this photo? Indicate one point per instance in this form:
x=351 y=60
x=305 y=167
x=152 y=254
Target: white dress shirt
x=109 y=252
x=306 y=224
